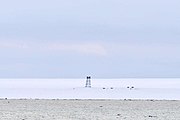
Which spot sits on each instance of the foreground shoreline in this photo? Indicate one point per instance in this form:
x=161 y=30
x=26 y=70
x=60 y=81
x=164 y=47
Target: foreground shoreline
x=85 y=99
x=89 y=109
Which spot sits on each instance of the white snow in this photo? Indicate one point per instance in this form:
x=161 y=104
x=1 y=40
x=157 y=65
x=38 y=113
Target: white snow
x=144 y=88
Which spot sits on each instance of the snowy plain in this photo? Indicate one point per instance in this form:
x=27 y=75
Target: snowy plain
x=144 y=88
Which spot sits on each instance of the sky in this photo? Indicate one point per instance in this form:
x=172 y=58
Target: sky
x=101 y=38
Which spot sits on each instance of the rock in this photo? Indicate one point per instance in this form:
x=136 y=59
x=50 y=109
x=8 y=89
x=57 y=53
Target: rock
x=151 y=116
x=118 y=114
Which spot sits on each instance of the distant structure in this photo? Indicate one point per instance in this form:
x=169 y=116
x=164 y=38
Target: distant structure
x=88 y=82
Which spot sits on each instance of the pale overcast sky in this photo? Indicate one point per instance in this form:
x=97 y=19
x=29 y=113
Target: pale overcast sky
x=101 y=38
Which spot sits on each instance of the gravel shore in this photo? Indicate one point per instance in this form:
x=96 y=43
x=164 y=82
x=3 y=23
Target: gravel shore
x=39 y=109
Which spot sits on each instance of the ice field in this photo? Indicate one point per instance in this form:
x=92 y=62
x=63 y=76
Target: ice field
x=124 y=88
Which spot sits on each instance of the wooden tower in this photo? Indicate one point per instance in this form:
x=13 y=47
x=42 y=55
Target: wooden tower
x=88 y=82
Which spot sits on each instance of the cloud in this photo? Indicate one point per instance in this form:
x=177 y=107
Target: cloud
x=135 y=50
x=11 y=45
x=85 y=48
x=81 y=48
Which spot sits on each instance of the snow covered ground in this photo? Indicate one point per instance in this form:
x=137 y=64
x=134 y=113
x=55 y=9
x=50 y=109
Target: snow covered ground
x=144 y=88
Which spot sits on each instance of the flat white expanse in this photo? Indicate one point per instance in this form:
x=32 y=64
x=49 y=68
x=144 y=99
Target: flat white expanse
x=144 y=88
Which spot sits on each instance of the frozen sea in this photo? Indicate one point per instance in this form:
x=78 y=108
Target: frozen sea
x=144 y=88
